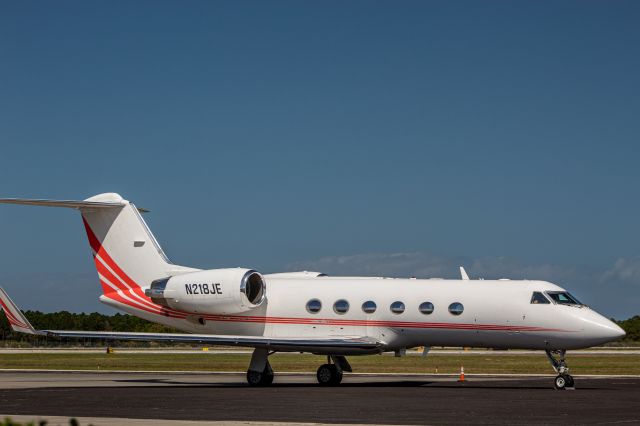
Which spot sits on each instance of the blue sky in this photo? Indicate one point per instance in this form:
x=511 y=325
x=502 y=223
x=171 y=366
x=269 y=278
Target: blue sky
x=395 y=138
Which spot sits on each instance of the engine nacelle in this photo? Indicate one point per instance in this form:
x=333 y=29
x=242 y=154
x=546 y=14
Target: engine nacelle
x=216 y=291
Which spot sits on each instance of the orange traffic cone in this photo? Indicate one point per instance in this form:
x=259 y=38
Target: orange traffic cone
x=461 y=379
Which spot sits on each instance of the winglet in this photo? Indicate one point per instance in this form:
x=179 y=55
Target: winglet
x=17 y=320
x=464 y=275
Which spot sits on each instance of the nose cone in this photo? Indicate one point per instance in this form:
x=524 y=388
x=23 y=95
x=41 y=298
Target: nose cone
x=610 y=330
x=599 y=330
x=619 y=333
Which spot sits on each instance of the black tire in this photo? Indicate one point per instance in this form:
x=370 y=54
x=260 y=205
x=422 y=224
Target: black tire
x=560 y=383
x=329 y=375
x=337 y=375
x=254 y=378
x=260 y=379
x=325 y=375
x=267 y=378
x=570 y=382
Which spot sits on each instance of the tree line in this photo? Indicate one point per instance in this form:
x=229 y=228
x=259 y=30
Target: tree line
x=64 y=320
x=632 y=327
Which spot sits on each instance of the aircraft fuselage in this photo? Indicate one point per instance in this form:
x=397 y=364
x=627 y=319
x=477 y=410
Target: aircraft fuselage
x=495 y=314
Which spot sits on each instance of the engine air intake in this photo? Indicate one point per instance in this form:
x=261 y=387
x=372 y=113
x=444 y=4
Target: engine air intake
x=252 y=286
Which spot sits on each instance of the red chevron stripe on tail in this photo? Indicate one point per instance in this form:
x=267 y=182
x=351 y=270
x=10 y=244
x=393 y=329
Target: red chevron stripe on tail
x=16 y=318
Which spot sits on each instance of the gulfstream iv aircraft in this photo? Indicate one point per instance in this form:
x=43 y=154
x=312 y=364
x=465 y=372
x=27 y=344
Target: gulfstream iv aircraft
x=312 y=312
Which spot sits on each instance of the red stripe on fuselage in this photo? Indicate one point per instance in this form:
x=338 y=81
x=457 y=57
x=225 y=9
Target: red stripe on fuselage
x=125 y=284
x=114 y=295
x=139 y=296
x=329 y=322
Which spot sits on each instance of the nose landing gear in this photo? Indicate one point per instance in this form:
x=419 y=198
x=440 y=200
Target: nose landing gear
x=564 y=380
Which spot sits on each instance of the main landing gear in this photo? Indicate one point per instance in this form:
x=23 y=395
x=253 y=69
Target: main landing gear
x=564 y=380
x=260 y=372
x=264 y=378
x=330 y=374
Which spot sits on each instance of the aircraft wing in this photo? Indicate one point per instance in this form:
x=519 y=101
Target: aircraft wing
x=331 y=345
x=289 y=344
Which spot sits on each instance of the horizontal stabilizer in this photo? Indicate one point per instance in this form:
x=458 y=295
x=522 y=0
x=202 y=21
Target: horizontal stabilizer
x=101 y=201
x=62 y=203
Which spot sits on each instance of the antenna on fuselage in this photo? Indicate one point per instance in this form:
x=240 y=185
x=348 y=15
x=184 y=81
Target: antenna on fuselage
x=463 y=274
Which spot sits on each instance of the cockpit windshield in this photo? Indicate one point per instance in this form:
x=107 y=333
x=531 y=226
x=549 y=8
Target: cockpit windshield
x=563 y=298
x=538 y=298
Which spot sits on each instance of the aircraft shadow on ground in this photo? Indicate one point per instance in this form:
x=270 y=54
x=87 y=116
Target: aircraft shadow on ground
x=168 y=383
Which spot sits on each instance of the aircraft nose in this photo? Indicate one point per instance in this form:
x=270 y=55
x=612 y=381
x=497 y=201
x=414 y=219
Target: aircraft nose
x=618 y=332
x=603 y=329
x=611 y=330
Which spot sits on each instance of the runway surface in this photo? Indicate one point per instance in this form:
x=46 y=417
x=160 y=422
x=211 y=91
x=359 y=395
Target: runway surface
x=392 y=399
x=623 y=350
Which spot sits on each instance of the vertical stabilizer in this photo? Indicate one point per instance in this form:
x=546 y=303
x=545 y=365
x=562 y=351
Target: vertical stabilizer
x=126 y=253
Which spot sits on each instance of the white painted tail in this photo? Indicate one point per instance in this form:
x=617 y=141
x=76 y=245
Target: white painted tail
x=124 y=246
x=126 y=253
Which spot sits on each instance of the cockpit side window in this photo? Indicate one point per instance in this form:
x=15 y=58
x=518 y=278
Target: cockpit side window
x=538 y=299
x=563 y=298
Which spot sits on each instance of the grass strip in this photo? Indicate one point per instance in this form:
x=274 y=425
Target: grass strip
x=492 y=364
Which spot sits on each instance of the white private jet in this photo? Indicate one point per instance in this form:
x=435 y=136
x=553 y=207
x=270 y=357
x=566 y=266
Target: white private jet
x=312 y=312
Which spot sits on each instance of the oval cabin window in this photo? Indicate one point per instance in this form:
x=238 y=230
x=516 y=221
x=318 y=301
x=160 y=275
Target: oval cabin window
x=456 y=308
x=341 y=307
x=426 y=308
x=314 y=306
x=397 y=307
x=369 y=307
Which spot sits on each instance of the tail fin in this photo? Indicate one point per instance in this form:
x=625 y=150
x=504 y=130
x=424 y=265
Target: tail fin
x=126 y=253
x=16 y=319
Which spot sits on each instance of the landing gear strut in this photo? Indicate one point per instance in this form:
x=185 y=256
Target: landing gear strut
x=260 y=372
x=564 y=379
x=330 y=374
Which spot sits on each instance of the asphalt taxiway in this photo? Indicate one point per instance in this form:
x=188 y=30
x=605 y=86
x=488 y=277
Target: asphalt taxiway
x=362 y=399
